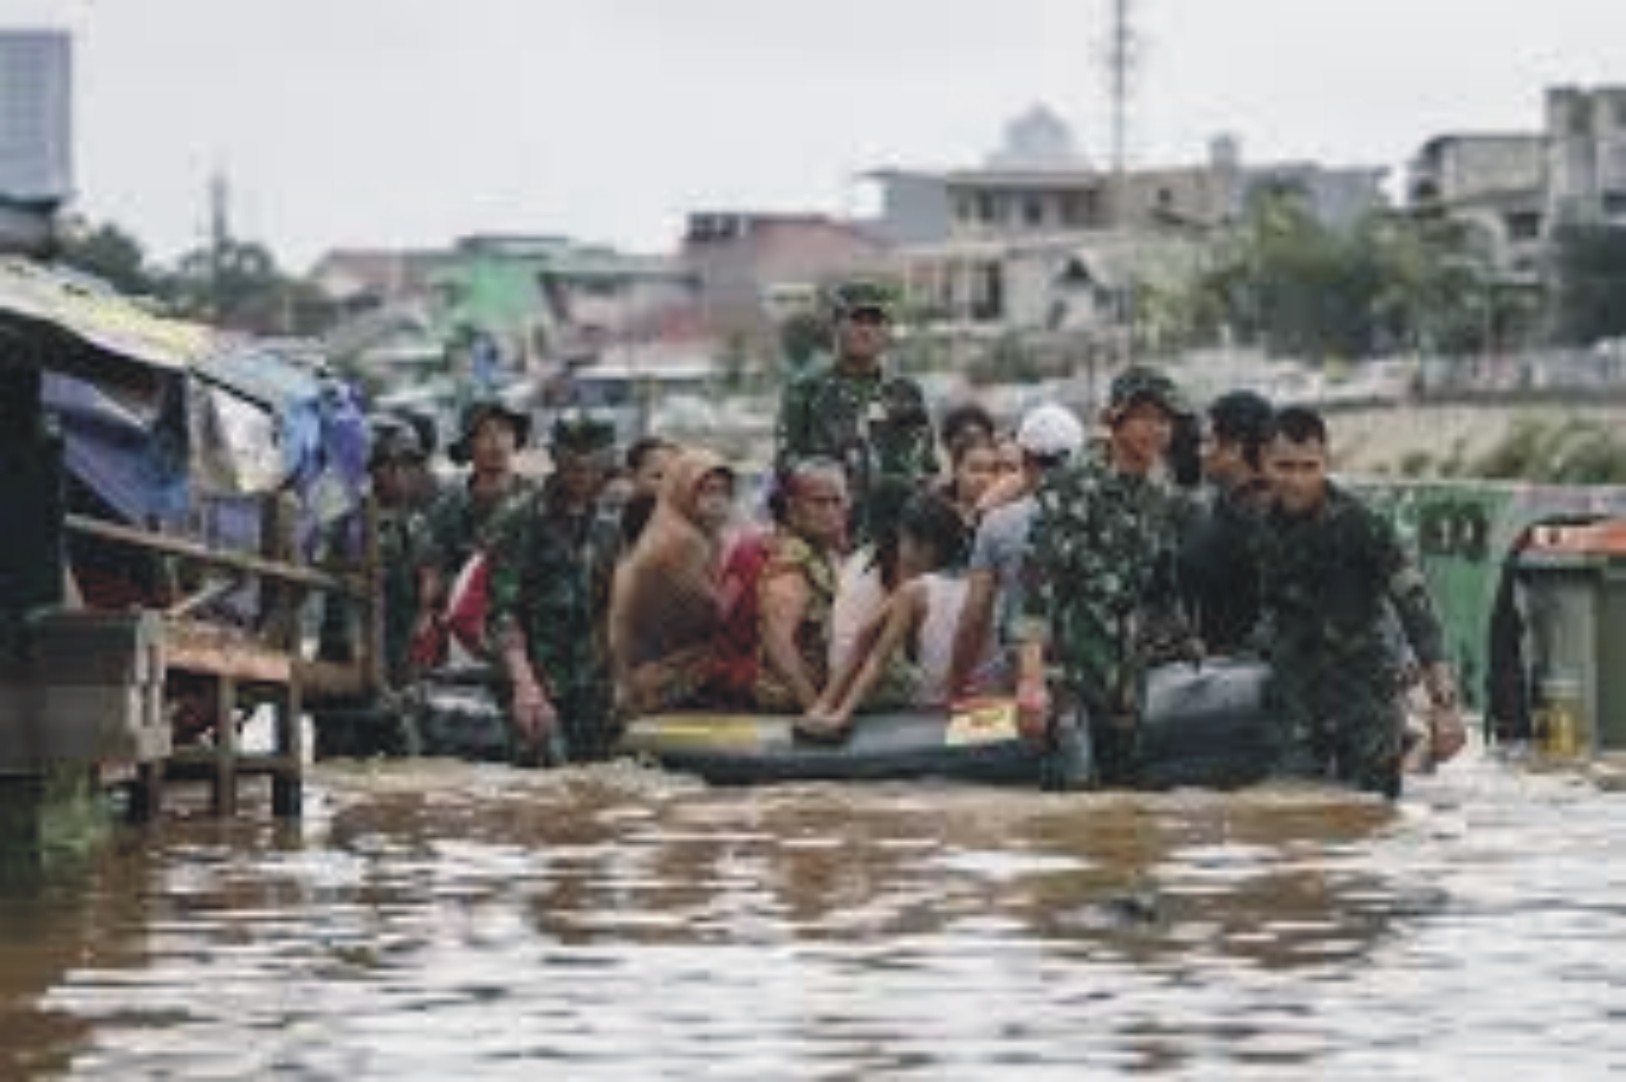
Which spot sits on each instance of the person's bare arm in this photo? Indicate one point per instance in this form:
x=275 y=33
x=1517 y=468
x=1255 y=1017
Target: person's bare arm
x=971 y=632
x=785 y=599
x=842 y=678
x=903 y=615
x=1032 y=691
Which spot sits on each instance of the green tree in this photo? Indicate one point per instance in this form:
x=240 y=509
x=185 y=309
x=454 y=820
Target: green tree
x=111 y=254
x=1287 y=282
x=802 y=337
x=1291 y=284
x=1589 y=280
x=237 y=284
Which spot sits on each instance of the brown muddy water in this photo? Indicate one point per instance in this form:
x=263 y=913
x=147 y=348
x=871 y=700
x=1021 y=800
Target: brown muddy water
x=440 y=921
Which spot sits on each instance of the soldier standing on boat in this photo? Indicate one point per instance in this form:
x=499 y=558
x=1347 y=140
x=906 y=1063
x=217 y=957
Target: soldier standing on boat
x=1102 y=526
x=550 y=586
x=1333 y=572
x=466 y=519
x=1219 y=557
x=874 y=422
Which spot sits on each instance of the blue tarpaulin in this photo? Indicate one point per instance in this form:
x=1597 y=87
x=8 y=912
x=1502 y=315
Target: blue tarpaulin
x=161 y=417
x=135 y=464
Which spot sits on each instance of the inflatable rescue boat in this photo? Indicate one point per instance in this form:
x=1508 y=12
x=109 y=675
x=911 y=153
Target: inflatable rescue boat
x=1204 y=725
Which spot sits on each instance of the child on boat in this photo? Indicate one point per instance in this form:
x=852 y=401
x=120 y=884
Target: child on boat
x=917 y=623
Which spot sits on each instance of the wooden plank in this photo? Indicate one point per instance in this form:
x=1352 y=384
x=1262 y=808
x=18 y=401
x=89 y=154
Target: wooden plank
x=350 y=585
x=201 y=648
x=197 y=763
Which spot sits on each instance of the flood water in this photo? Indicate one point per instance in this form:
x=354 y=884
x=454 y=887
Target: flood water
x=441 y=921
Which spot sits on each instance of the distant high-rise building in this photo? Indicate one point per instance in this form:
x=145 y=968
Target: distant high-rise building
x=36 y=173
x=36 y=159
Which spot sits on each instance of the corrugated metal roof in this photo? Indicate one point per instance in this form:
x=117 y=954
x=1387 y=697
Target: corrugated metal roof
x=34 y=297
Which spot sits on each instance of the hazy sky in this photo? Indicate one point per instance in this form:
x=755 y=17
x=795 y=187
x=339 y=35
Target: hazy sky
x=389 y=122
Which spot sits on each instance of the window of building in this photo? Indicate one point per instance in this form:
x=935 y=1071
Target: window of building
x=988 y=293
x=1072 y=209
x=1524 y=225
x=1032 y=211
x=987 y=208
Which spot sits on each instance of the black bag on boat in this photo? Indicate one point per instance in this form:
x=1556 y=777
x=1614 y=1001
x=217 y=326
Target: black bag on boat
x=1208 y=724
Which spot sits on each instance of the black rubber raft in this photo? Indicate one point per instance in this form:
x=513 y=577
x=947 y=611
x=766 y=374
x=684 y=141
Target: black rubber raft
x=1204 y=726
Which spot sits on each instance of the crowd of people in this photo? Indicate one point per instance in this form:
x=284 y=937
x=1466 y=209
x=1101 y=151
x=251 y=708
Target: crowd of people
x=902 y=564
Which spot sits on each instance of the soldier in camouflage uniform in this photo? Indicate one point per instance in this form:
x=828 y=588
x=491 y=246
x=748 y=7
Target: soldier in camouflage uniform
x=396 y=463
x=1219 y=555
x=853 y=411
x=1102 y=528
x=550 y=587
x=467 y=518
x=1336 y=577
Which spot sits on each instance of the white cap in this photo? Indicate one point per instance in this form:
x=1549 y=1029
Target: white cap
x=1050 y=431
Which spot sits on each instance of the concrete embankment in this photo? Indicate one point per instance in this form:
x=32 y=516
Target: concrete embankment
x=1386 y=439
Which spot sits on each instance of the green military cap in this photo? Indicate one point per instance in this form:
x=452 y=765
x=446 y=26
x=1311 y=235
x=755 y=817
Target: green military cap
x=861 y=294
x=474 y=415
x=1141 y=383
x=581 y=433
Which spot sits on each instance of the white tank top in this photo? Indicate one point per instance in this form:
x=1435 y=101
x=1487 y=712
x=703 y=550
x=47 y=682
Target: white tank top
x=945 y=597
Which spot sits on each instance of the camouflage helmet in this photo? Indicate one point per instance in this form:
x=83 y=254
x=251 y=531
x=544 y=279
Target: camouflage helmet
x=392 y=440
x=1141 y=383
x=581 y=433
x=860 y=294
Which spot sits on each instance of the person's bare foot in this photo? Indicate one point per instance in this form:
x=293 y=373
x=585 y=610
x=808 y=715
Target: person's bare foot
x=823 y=727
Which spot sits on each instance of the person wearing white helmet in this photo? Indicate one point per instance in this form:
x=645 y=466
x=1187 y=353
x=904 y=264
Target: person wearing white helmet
x=1048 y=437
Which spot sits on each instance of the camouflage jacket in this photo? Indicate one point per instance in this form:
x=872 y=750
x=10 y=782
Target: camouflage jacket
x=874 y=425
x=550 y=581
x=1331 y=585
x=402 y=540
x=1098 y=539
x=457 y=525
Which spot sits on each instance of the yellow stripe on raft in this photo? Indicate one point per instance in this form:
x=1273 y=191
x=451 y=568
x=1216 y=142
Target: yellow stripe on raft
x=711 y=730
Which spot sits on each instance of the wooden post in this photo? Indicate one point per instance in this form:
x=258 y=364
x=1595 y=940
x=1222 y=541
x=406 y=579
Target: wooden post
x=225 y=772
x=279 y=601
x=147 y=793
x=287 y=780
x=371 y=658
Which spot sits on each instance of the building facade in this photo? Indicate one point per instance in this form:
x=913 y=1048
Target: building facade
x=749 y=266
x=1513 y=190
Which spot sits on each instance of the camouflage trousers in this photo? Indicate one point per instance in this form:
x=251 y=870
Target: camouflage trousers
x=1343 y=723
x=1095 y=731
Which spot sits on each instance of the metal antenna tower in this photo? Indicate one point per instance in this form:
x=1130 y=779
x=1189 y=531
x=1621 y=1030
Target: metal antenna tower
x=219 y=236
x=1121 y=67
